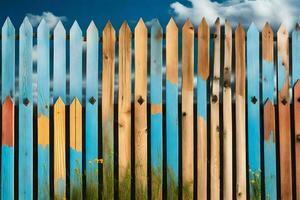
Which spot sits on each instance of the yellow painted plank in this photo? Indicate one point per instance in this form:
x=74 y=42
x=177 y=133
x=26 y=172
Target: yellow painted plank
x=76 y=125
x=140 y=110
x=43 y=130
x=59 y=150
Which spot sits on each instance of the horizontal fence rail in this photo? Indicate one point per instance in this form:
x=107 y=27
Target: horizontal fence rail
x=150 y=113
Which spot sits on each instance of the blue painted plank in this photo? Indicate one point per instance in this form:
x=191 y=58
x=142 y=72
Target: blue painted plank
x=172 y=130
x=91 y=136
x=268 y=89
x=156 y=110
x=76 y=45
x=295 y=55
x=59 y=63
x=8 y=88
x=25 y=112
x=43 y=70
x=253 y=101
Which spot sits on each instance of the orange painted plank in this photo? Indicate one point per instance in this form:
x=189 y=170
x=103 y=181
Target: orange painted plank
x=297 y=135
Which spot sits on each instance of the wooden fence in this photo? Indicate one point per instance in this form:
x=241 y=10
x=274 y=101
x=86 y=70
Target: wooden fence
x=227 y=127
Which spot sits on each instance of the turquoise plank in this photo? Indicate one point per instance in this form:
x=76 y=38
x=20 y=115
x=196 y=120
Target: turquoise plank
x=92 y=112
x=76 y=45
x=295 y=55
x=253 y=101
x=8 y=88
x=268 y=89
x=59 y=63
x=25 y=112
x=43 y=70
x=156 y=109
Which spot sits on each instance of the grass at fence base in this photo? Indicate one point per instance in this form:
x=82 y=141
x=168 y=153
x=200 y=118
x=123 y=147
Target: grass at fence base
x=255 y=184
x=125 y=186
x=92 y=188
x=156 y=176
x=76 y=190
x=172 y=185
x=186 y=191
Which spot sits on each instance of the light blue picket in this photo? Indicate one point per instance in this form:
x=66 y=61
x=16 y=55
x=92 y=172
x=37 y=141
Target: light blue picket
x=268 y=88
x=91 y=136
x=156 y=109
x=59 y=63
x=59 y=89
x=8 y=89
x=76 y=45
x=172 y=136
x=43 y=70
x=253 y=101
x=25 y=112
x=295 y=55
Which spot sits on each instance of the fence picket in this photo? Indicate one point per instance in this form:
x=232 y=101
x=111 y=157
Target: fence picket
x=91 y=117
x=140 y=110
x=75 y=111
x=8 y=92
x=268 y=88
x=284 y=113
x=43 y=70
x=295 y=56
x=124 y=120
x=188 y=110
x=214 y=121
x=297 y=134
x=227 y=115
x=241 y=185
x=25 y=112
x=108 y=78
x=172 y=132
x=253 y=112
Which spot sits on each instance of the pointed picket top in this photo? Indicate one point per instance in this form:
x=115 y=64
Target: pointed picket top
x=26 y=26
x=59 y=102
x=267 y=31
x=240 y=30
x=188 y=25
x=75 y=29
x=156 y=24
x=43 y=25
x=282 y=31
x=141 y=26
x=8 y=28
x=267 y=43
x=172 y=24
x=297 y=85
x=203 y=26
x=252 y=29
x=203 y=49
x=75 y=101
x=125 y=28
x=92 y=30
x=109 y=29
x=8 y=101
x=59 y=28
x=217 y=22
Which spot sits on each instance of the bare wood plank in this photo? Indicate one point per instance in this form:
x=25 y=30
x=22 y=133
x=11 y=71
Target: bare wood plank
x=227 y=115
x=202 y=77
x=188 y=110
x=59 y=150
x=125 y=38
x=297 y=135
x=140 y=110
x=241 y=184
x=284 y=113
x=214 y=120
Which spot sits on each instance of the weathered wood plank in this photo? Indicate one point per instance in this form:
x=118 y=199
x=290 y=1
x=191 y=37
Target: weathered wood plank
x=7 y=156
x=227 y=115
x=172 y=132
x=8 y=92
x=253 y=113
x=91 y=117
x=188 y=110
x=43 y=69
x=76 y=46
x=59 y=150
x=215 y=118
x=140 y=110
x=156 y=110
x=241 y=178
x=124 y=105
x=297 y=135
x=295 y=55
x=25 y=112
x=268 y=88
x=284 y=113
x=108 y=78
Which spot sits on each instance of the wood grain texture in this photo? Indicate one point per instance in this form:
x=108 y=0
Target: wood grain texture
x=202 y=78
x=268 y=88
x=7 y=156
x=284 y=113
x=108 y=78
x=188 y=110
x=59 y=150
x=25 y=112
x=215 y=118
x=172 y=132
x=227 y=115
x=124 y=108
x=297 y=135
x=241 y=178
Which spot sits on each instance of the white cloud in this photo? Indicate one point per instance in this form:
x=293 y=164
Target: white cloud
x=244 y=12
x=34 y=54
x=49 y=17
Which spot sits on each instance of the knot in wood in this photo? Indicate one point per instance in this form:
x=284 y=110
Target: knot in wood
x=284 y=101
x=214 y=98
x=226 y=83
x=92 y=100
x=298 y=99
x=140 y=100
x=253 y=100
x=184 y=114
x=26 y=101
x=298 y=137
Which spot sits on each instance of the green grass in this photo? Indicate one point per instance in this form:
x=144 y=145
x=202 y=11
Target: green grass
x=172 y=185
x=92 y=186
x=255 y=184
x=156 y=179
x=125 y=186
